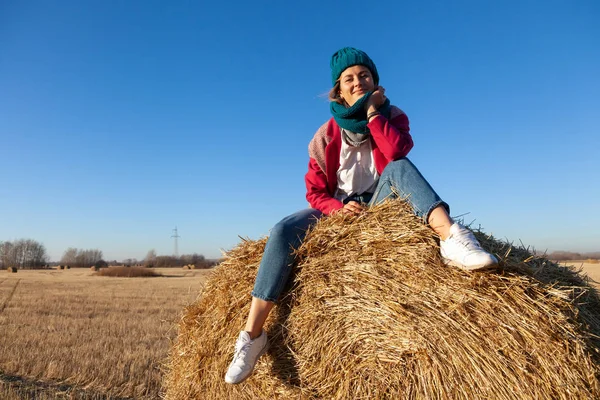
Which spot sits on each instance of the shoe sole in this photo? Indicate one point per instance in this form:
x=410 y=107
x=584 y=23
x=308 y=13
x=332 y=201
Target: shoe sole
x=263 y=351
x=474 y=268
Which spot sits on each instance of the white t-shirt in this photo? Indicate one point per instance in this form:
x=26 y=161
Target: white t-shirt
x=357 y=173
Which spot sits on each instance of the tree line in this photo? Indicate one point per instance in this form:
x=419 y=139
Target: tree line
x=197 y=260
x=569 y=255
x=23 y=254
x=80 y=258
x=31 y=254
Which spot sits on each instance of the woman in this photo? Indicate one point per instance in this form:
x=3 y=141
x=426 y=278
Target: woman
x=357 y=157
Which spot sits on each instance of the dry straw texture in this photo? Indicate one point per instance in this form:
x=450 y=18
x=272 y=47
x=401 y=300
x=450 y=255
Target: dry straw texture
x=373 y=313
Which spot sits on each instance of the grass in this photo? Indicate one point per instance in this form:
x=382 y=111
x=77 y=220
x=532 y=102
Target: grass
x=72 y=333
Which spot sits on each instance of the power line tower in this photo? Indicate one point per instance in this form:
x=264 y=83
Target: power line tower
x=176 y=236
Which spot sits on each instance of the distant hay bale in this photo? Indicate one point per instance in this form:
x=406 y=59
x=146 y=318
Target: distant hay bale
x=94 y=268
x=11 y=269
x=374 y=314
x=68 y=267
x=61 y=267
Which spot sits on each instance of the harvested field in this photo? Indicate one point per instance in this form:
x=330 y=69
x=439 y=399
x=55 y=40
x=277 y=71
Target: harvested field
x=592 y=270
x=373 y=313
x=72 y=334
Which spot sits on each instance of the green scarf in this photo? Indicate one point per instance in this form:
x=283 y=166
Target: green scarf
x=354 y=119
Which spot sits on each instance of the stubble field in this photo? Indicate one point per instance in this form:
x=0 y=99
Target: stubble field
x=591 y=269
x=71 y=334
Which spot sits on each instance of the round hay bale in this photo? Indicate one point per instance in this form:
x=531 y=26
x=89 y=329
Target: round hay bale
x=197 y=371
x=94 y=268
x=68 y=267
x=12 y=269
x=374 y=314
x=61 y=267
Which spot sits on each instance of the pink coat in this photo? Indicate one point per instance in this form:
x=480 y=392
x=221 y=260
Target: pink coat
x=390 y=140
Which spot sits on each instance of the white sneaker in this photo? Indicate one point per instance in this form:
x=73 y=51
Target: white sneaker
x=247 y=352
x=462 y=250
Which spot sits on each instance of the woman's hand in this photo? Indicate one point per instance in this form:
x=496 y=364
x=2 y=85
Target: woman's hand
x=352 y=207
x=376 y=99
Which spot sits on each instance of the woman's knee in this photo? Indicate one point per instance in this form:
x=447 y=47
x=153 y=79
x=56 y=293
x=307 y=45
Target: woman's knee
x=401 y=163
x=400 y=167
x=295 y=225
x=281 y=229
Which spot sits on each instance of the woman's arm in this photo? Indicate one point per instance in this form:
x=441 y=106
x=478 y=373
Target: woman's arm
x=317 y=193
x=391 y=136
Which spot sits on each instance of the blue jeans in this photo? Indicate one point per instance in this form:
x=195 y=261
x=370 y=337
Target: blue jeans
x=400 y=176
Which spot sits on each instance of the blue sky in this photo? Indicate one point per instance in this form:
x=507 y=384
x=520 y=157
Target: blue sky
x=120 y=120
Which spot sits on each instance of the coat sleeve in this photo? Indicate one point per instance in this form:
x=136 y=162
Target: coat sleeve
x=392 y=136
x=317 y=193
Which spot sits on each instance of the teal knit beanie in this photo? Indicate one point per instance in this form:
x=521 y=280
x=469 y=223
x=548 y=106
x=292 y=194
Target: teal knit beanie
x=347 y=57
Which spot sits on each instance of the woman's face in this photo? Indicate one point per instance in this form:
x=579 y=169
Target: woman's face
x=355 y=81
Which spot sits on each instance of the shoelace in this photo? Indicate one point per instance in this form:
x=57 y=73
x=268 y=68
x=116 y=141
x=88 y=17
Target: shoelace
x=241 y=350
x=466 y=238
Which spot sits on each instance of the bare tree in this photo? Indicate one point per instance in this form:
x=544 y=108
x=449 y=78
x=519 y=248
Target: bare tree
x=167 y=261
x=24 y=254
x=195 y=259
x=87 y=258
x=150 y=260
x=69 y=257
x=130 y=262
x=7 y=255
x=81 y=258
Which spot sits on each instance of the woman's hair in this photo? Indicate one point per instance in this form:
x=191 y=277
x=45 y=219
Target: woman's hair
x=334 y=93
